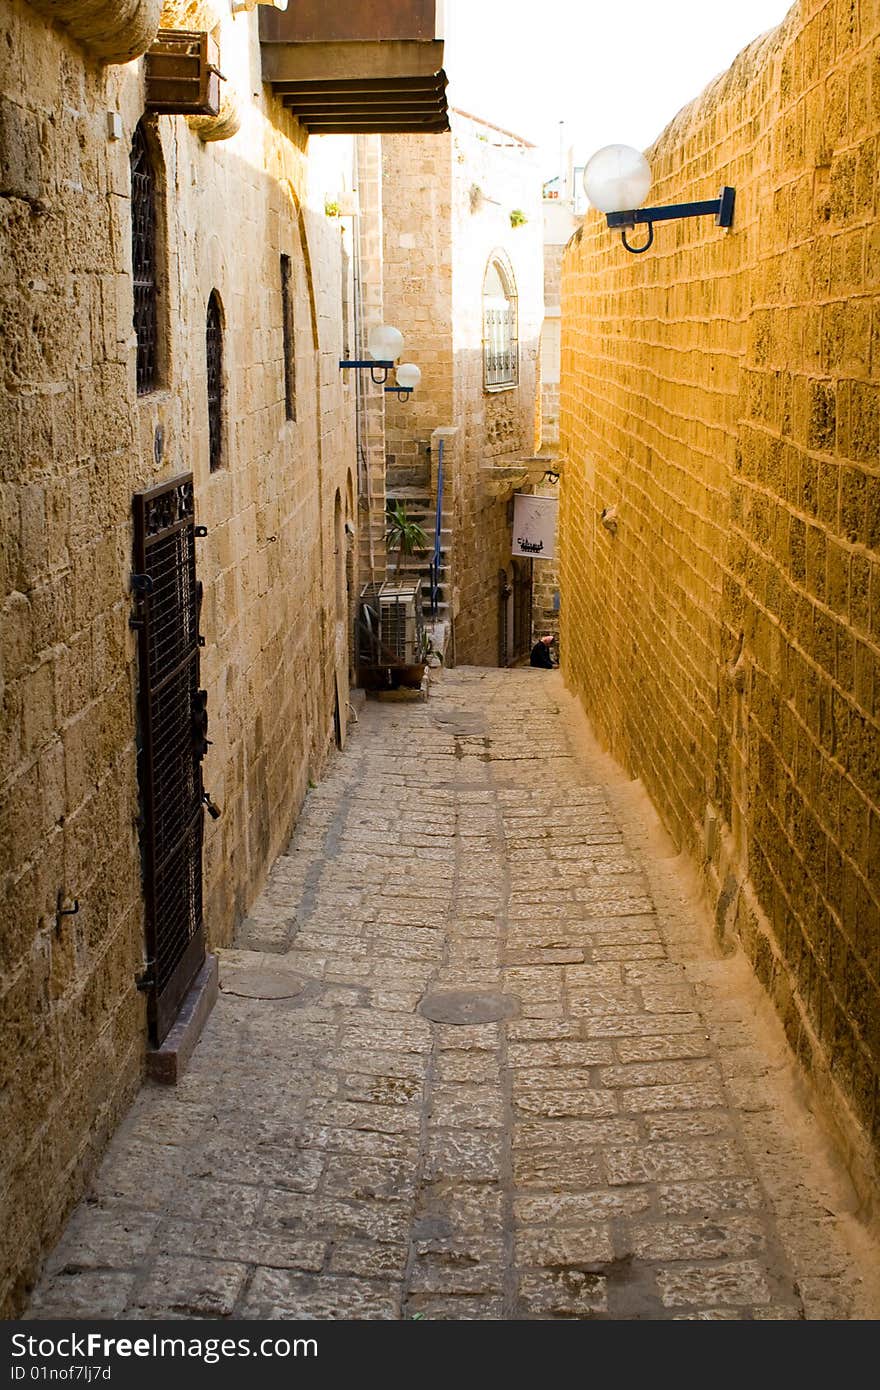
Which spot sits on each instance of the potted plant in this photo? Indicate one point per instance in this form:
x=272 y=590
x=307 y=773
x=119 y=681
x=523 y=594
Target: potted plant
x=402 y=534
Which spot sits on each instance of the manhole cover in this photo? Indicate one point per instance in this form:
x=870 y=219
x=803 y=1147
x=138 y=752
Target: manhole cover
x=263 y=984
x=463 y=1006
x=462 y=723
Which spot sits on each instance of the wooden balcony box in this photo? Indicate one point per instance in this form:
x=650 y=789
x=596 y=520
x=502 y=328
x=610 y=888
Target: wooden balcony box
x=183 y=77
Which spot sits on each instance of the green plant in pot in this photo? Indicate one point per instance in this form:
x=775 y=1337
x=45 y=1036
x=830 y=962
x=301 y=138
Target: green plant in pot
x=403 y=535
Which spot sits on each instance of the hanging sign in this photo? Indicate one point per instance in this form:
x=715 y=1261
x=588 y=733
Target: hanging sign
x=534 y=526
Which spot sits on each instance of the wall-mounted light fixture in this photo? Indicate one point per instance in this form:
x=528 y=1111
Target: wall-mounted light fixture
x=407 y=378
x=385 y=344
x=616 y=180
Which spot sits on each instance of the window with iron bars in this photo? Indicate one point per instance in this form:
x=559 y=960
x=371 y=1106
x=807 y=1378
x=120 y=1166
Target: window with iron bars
x=500 y=345
x=289 y=340
x=143 y=257
x=214 y=356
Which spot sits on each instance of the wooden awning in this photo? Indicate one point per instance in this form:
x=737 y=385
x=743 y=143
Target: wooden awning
x=360 y=67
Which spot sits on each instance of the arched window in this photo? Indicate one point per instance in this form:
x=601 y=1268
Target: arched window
x=144 y=262
x=214 y=357
x=500 y=348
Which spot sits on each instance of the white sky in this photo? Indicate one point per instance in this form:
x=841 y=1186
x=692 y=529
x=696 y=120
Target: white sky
x=614 y=71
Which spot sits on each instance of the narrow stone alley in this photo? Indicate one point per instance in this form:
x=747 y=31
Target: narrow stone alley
x=474 y=1058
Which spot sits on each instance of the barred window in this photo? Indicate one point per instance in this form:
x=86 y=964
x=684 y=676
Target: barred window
x=214 y=355
x=289 y=342
x=143 y=256
x=500 y=346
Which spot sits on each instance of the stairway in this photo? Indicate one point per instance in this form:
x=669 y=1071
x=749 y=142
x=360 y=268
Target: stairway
x=420 y=506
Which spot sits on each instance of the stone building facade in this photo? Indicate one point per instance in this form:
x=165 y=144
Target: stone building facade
x=242 y=251
x=722 y=393
x=447 y=216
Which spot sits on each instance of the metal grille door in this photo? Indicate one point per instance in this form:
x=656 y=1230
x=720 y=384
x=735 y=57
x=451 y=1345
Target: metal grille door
x=172 y=743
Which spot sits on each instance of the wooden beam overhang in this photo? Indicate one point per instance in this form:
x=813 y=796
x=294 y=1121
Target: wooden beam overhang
x=366 y=66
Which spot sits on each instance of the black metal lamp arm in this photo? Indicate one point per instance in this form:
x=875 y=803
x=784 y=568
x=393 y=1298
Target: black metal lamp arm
x=721 y=208
x=373 y=367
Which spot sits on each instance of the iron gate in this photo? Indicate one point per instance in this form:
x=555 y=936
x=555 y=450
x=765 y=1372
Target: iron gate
x=172 y=741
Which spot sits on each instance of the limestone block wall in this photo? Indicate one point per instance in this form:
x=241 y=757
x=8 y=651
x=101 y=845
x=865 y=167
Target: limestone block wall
x=497 y=427
x=75 y=442
x=417 y=260
x=721 y=393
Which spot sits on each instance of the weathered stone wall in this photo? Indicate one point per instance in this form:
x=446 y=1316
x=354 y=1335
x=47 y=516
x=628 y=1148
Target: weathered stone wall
x=498 y=426
x=438 y=237
x=721 y=392
x=77 y=441
x=417 y=257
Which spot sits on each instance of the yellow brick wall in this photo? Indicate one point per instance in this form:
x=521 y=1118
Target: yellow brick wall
x=75 y=442
x=721 y=392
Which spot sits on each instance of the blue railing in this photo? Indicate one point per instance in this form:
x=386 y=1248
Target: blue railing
x=438 y=526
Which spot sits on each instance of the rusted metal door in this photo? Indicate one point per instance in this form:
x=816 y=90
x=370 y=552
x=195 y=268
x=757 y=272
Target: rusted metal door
x=172 y=740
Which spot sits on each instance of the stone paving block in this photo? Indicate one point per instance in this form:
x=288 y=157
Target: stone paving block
x=457 y=1154
x=558 y=1054
x=192 y=1287
x=472 y=1210
x=638 y=1025
x=584 y=1247
x=673 y=1162
x=660 y=1073
x=368 y=1260
x=645 y=1099
x=620 y=951
x=542 y=1030
x=479 y=1068
x=556 y=1170
x=660 y=1047
x=460 y=1308
x=661 y=1128
x=376 y=1118
x=362 y=1179
x=280 y=1294
x=479 y=1038
x=456 y=1275
x=562 y=1104
x=221 y=1239
x=709 y=1238
x=738 y=1282
x=587 y=1003
x=544 y=956
x=723 y=1194
x=278 y=1165
x=103 y=1238
x=92 y=1294
x=579 y=1208
x=385 y=1221
x=477 y=1107
x=570 y=1293
x=668 y=999
x=381 y=1090
x=369 y=1143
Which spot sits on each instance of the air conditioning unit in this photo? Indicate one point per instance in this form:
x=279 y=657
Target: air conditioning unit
x=391 y=625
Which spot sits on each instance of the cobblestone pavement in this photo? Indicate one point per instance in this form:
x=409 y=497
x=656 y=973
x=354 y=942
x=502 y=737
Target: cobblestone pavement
x=626 y=1143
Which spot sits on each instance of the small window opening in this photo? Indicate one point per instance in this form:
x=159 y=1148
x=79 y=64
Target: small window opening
x=214 y=355
x=143 y=255
x=289 y=341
